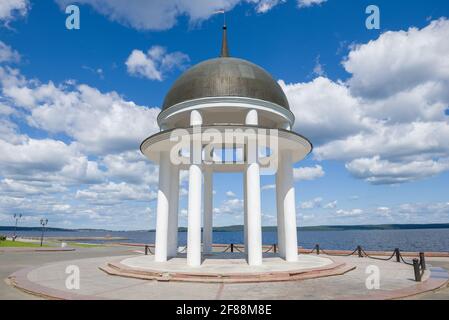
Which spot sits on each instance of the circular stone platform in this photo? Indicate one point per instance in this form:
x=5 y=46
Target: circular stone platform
x=227 y=267
x=397 y=281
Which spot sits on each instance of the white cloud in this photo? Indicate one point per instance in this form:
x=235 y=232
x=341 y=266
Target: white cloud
x=155 y=63
x=21 y=189
x=163 y=14
x=394 y=141
x=98 y=122
x=10 y=9
x=114 y=193
x=308 y=173
x=392 y=111
x=7 y=54
x=268 y=187
x=384 y=211
x=230 y=206
x=35 y=156
x=309 y=3
x=377 y=171
x=318 y=69
x=46 y=160
x=264 y=6
x=131 y=167
x=312 y=204
x=419 y=56
x=230 y=194
x=331 y=205
x=92 y=174
x=437 y=212
x=349 y=213
x=324 y=110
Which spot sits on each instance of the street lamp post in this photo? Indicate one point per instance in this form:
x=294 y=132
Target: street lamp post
x=43 y=224
x=17 y=217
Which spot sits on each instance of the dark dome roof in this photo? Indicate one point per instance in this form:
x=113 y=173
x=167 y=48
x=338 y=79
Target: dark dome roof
x=229 y=77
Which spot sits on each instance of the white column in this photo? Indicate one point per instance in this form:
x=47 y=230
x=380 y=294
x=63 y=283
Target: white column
x=245 y=214
x=163 y=196
x=208 y=210
x=194 y=206
x=195 y=118
x=280 y=212
x=287 y=198
x=173 y=212
x=254 y=219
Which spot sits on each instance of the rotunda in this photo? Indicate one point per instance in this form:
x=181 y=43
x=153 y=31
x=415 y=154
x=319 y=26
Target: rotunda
x=225 y=115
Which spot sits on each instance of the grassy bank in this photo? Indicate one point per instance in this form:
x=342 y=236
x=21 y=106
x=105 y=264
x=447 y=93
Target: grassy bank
x=19 y=244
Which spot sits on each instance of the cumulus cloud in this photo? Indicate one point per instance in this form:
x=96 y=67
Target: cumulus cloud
x=163 y=14
x=309 y=3
x=377 y=171
x=324 y=110
x=331 y=205
x=97 y=122
x=415 y=139
x=268 y=187
x=155 y=63
x=7 y=54
x=308 y=173
x=132 y=167
x=230 y=206
x=311 y=204
x=113 y=193
x=46 y=160
x=10 y=9
x=263 y=6
x=230 y=194
x=349 y=213
x=419 y=56
x=390 y=113
x=85 y=169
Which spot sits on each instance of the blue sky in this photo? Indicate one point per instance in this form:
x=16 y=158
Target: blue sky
x=75 y=105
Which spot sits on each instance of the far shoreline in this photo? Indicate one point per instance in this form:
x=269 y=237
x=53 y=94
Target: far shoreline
x=239 y=228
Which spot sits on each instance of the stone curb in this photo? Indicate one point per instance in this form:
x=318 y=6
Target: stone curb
x=116 y=268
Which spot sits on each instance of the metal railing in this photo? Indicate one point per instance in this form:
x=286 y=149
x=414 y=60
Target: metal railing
x=419 y=265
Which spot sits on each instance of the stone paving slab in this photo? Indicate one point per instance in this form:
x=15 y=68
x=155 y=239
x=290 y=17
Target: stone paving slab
x=396 y=281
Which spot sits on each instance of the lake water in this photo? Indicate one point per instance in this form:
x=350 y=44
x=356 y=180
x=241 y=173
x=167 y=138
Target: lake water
x=406 y=240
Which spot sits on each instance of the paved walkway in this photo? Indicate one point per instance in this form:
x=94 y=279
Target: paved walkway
x=95 y=284
x=13 y=261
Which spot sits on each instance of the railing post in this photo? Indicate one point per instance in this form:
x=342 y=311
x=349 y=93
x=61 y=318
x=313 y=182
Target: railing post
x=317 y=249
x=417 y=270
x=422 y=261
x=398 y=255
x=359 y=251
x=274 y=248
x=232 y=247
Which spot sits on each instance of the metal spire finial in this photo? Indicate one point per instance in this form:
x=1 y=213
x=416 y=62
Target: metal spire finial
x=224 y=46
